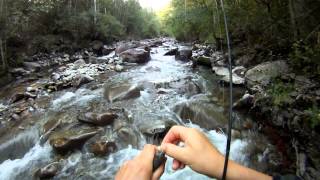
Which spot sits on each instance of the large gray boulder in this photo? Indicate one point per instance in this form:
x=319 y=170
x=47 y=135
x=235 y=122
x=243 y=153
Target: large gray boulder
x=126 y=46
x=202 y=111
x=32 y=66
x=263 y=73
x=184 y=53
x=136 y=55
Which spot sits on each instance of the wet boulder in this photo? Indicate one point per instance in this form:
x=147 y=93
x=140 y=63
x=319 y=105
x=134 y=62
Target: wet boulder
x=127 y=136
x=184 y=54
x=79 y=63
x=97 y=47
x=172 y=52
x=107 y=50
x=119 y=68
x=157 y=129
x=66 y=142
x=245 y=102
x=17 y=97
x=126 y=46
x=48 y=171
x=82 y=79
x=136 y=55
x=224 y=72
x=122 y=92
x=32 y=66
x=103 y=148
x=201 y=111
x=98 y=119
x=19 y=72
x=204 y=60
x=263 y=73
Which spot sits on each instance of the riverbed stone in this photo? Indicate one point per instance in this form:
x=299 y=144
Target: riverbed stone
x=204 y=60
x=119 y=68
x=49 y=171
x=19 y=72
x=126 y=46
x=224 y=72
x=32 y=66
x=172 y=52
x=17 y=97
x=184 y=53
x=122 y=92
x=263 y=73
x=136 y=55
x=68 y=141
x=103 y=148
x=98 y=119
x=82 y=79
x=202 y=111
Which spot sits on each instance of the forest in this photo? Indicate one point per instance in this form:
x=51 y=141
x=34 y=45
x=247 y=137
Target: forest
x=30 y=27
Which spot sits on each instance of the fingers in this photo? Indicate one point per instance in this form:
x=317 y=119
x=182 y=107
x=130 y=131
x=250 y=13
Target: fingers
x=175 y=165
x=147 y=154
x=176 y=152
x=175 y=134
x=158 y=173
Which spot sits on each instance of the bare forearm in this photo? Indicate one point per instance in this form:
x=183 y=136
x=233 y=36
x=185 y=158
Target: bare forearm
x=236 y=171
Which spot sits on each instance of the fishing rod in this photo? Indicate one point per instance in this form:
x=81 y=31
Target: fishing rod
x=225 y=168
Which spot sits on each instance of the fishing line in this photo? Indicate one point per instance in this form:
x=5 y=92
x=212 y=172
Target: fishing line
x=225 y=168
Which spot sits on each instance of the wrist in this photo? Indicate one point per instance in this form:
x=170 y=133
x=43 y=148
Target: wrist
x=216 y=165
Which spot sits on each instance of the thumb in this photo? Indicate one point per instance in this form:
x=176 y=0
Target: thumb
x=176 y=152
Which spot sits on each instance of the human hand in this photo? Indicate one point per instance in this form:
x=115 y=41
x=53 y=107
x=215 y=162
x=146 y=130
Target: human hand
x=198 y=152
x=140 y=168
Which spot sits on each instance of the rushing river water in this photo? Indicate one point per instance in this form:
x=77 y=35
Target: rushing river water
x=162 y=80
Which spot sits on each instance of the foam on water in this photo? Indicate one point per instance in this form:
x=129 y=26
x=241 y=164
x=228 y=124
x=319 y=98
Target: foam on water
x=18 y=145
x=80 y=98
x=10 y=169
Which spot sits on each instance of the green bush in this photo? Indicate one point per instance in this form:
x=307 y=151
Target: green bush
x=314 y=116
x=280 y=92
x=305 y=58
x=109 y=27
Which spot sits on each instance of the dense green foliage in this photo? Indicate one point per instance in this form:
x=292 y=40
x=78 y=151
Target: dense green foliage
x=273 y=26
x=30 y=26
x=280 y=92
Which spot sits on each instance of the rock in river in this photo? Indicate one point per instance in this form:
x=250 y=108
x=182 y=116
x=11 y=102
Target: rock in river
x=223 y=71
x=82 y=79
x=184 y=54
x=122 y=92
x=48 y=171
x=136 y=55
x=98 y=119
x=126 y=46
x=172 y=52
x=32 y=66
x=204 y=60
x=263 y=73
x=103 y=148
x=67 y=142
x=202 y=111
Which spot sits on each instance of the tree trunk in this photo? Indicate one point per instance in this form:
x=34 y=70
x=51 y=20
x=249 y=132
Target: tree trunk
x=3 y=57
x=293 y=20
x=95 y=11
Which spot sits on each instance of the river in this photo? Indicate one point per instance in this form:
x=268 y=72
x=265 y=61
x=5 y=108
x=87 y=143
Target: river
x=170 y=91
